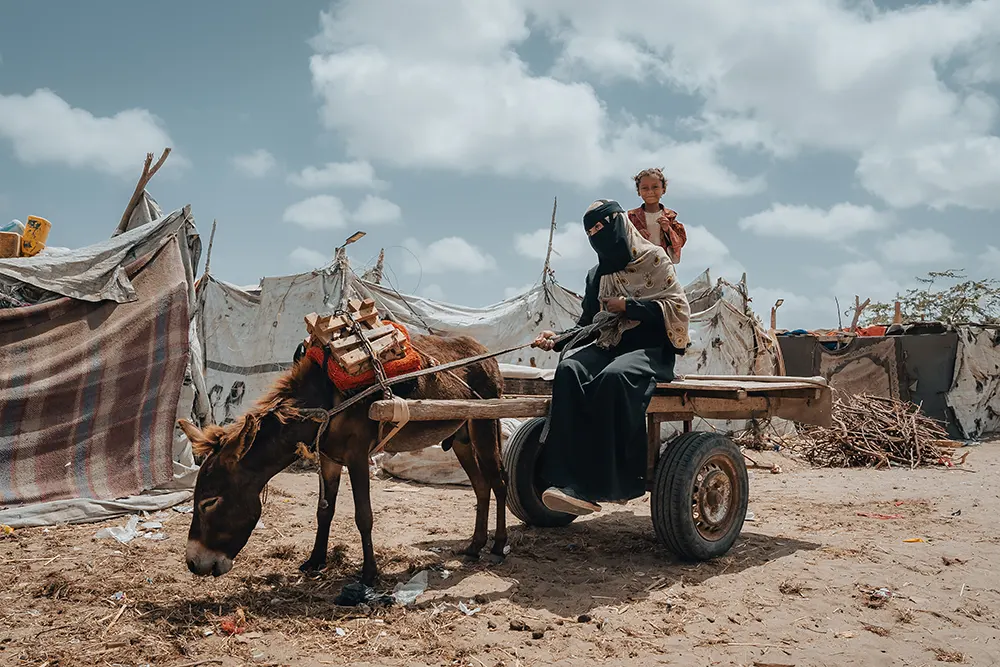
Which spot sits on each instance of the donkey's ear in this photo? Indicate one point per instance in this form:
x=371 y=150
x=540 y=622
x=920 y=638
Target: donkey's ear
x=242 y=443
x=202 y=443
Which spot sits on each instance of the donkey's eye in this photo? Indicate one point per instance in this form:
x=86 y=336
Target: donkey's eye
x=208 y=504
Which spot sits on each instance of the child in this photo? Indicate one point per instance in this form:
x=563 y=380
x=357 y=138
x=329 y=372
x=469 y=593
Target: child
x=656 y=223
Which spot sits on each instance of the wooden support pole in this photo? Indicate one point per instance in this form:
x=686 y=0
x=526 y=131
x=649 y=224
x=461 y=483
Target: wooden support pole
x=552 y=230
x=211 y=242
x=449 y=410
x=858 y=309
x=148 y=172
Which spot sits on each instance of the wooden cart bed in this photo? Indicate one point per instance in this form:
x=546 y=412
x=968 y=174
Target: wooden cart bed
x=803 y=400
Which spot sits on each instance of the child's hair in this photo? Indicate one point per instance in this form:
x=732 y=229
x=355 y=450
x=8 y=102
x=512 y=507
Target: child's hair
x=655 y=172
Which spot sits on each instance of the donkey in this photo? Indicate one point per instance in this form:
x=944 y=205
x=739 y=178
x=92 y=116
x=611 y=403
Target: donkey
x=244 y=455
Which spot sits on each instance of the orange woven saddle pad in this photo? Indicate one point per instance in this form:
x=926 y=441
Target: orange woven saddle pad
x=345 y=381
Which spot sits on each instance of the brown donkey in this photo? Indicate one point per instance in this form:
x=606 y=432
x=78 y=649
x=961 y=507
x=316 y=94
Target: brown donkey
x=243 y=456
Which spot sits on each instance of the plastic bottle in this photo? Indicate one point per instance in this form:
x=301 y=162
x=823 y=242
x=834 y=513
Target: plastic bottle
x=14 y=226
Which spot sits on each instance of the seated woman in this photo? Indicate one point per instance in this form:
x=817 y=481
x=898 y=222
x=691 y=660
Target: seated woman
x=636 y=314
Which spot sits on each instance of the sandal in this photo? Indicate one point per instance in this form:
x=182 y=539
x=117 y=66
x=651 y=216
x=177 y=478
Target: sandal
x=561 y=500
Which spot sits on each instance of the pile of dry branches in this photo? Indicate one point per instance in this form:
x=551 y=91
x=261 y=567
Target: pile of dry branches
x=875 y=432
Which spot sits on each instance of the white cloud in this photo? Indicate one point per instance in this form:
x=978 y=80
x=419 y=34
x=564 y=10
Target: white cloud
x=840 y=222
x=256 y=164
x=847 y=77
x=983 y=66
x=45 y=129
x=955 y=173
x=450 y=254
x=865 y=279
x=432 y=292
x=990 y=258
x=797 y=311
x=705 y=250
x=376 y=211
x=329 y=212
x=356 y=174
x=470 y=103
x=919 y=247
x=569 y=245
x=319 y=212
x=306 y=258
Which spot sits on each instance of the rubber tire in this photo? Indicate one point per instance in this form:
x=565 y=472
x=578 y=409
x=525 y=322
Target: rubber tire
x=524 y=498
x=673 y=486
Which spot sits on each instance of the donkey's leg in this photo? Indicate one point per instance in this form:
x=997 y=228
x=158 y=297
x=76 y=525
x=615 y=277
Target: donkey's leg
x=363 y=519
x=329 y=484
x=467 y=457
x=485 y=434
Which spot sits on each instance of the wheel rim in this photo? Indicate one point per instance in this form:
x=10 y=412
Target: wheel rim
x=714 y=497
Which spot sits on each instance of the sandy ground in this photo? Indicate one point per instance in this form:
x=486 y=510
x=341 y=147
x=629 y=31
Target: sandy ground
x=810 y=582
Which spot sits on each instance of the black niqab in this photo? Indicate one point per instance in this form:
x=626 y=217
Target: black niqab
x=611 y=241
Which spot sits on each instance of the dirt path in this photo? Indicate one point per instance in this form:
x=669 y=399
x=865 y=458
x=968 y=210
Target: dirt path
x=809 y=583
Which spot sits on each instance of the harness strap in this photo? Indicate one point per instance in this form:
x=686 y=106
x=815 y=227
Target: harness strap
x=400 y=417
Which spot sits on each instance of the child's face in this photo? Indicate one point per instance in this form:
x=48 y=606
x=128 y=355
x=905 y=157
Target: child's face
x=650 y=189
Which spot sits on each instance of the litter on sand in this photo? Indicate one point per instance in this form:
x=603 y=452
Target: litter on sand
x=407 y=594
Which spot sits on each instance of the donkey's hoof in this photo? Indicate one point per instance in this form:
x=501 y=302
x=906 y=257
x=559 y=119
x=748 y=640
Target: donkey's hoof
x=368 y=578
x=494 y=558
x=313 y=565
x=471 y=552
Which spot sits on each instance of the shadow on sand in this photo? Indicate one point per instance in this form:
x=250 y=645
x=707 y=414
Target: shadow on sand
x=607 y=560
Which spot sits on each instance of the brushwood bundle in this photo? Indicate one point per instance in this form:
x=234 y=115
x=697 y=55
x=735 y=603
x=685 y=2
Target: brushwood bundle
x=877 y=432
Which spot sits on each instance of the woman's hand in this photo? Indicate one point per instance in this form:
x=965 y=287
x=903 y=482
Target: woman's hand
x=615 y=305
x=544 y=341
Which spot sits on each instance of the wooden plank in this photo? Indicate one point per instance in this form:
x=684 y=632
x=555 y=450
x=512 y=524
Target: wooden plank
x=358 y=305
x=722 y=387
x=368 y=318
x=802 y=410
x=357 y=357
x=352 y=340
x=451 y=409
x=805 y=410
x=332 y=324
x=815 y=379
x=526 y=387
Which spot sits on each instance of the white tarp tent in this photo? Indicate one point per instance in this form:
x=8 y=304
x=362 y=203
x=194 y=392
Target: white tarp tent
x=975 y=392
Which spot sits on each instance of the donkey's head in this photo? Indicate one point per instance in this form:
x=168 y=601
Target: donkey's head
x=227 y=492
x=239 y=460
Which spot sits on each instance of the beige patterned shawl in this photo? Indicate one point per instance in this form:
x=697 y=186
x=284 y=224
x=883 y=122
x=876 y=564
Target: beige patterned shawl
x=650 y=275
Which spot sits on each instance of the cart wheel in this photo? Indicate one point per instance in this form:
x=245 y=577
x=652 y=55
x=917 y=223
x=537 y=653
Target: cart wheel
x=700 y=495
x=524 y=489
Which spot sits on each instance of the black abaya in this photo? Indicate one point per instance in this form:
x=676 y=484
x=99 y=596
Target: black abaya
x=596 y=438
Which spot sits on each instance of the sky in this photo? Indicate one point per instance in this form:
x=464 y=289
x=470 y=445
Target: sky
x=825 y=148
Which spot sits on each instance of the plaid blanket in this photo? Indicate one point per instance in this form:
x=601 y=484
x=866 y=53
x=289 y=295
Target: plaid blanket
x=89 y=391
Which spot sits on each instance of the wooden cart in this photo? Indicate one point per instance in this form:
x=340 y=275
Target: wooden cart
x=698 y=480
